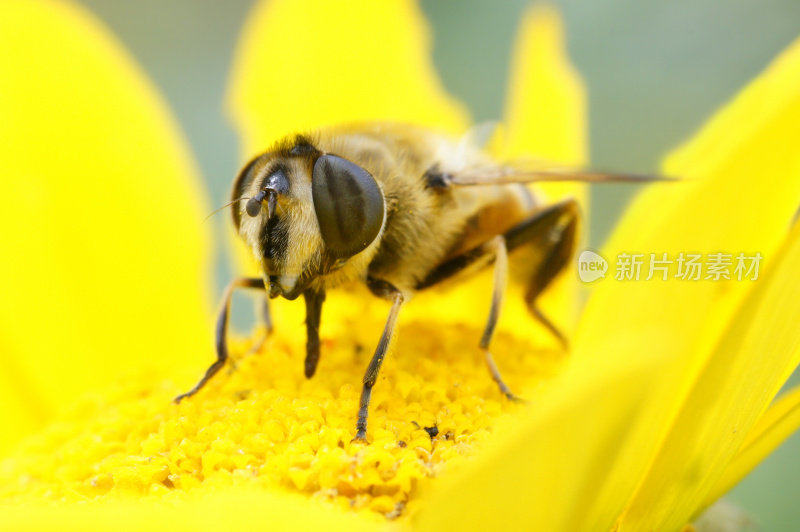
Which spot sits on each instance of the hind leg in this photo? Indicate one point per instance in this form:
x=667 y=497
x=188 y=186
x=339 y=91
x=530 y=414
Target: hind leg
x=495 y=250
x=553 y=232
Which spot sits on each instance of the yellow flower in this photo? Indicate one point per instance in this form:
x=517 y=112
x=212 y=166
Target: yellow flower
x=662 y=405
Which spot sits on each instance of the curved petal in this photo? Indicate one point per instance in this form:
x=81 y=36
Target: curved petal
x=733 y=388
x=100 y=216
x=541 y=472
x=303 y=65
x=546 y=115
x=741 y=193
x=779 y=422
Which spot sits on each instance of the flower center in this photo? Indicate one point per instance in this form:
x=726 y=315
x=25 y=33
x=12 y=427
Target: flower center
x=264 y=424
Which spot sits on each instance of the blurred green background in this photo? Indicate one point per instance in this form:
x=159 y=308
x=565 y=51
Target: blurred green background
x=655 y=71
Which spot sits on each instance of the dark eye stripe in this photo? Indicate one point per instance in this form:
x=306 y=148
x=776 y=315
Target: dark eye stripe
x=275 y=240
x=348 y=204
x=354 y=191
x=340 y=219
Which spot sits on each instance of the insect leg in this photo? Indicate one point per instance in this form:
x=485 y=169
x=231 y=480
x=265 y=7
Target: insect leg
x=374 y=367
x=553 y=230
x=314 y=302
x=266 y=317
x=222 y=331
x=497 y=247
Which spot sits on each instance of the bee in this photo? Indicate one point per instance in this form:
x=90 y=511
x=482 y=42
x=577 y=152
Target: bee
x=400 y=208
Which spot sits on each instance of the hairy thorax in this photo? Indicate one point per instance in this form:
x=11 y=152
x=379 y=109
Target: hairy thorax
x=424 y=224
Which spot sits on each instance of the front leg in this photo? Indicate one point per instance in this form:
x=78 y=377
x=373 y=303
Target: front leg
x=314 y=302
x=266 y=318
x=388 y=291
x=222 y=332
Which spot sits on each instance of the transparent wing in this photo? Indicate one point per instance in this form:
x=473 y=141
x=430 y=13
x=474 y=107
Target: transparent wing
x=532 y=172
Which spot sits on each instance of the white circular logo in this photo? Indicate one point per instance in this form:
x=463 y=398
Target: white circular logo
x=591 y=266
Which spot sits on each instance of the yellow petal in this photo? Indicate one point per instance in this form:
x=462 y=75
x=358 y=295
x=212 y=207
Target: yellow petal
x=779 y=422
x=304 y=65
x=738 y=380
x=743 y=175
x=100 y=216
x=546 y=119
x=229 y=509
x=545 y=115
x=541 y=472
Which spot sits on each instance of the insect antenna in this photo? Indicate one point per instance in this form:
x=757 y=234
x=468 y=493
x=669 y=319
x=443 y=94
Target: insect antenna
x=215 y=211
x=253 y=206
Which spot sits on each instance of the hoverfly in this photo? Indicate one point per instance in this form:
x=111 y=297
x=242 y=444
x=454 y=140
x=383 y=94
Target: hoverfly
x=400 y=208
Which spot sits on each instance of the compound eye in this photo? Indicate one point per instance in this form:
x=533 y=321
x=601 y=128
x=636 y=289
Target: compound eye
x=348 y=204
